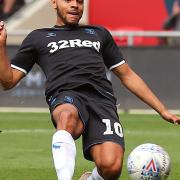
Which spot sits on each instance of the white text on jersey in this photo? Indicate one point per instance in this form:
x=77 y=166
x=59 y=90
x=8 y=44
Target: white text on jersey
x=73 y=43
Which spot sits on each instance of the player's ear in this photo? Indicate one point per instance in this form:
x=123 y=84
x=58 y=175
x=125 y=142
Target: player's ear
x=54 y=4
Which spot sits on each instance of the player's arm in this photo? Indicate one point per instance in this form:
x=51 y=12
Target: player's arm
x=138 y=87
x=9 y=77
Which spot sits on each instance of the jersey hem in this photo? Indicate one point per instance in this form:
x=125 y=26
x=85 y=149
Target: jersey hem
x=116 y=65
x=18 y=68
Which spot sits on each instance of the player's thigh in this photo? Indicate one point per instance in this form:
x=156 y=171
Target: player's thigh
x=68 y=112
x=67 y=118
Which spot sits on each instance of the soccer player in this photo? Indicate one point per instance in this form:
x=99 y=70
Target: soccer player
x=79 y=96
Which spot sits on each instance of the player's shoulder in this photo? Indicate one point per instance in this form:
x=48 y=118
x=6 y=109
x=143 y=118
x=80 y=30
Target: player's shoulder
x=37 y=35
x=39 y=31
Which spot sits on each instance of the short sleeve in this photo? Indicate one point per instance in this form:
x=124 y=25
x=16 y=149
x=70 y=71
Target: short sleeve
x=26 y=56
x=111 y=52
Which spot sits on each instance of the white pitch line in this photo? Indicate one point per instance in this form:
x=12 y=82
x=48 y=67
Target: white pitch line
x=128 y=132
x=152 y=133
x=27 y=131
x=150 y=111
x=24 y=110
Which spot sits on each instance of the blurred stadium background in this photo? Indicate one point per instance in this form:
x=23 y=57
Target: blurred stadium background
x=135 y=25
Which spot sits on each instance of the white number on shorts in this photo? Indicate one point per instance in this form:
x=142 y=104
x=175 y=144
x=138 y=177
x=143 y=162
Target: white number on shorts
x=117 y=128
x=108 y=126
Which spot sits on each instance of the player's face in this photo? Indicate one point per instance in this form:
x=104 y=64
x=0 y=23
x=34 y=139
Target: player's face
x=69 y=12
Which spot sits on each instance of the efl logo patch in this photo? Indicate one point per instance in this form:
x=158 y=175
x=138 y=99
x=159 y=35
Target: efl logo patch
x=90 y=31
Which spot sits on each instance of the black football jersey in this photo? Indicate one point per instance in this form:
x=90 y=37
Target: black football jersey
x=70 y=57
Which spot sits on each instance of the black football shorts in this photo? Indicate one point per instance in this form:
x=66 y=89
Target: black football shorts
x=98 y=114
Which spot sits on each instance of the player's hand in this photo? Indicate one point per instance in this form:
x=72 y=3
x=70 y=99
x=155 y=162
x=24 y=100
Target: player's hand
x=171 y=117
x=3 y=34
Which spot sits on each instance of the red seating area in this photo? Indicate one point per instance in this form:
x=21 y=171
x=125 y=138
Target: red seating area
x=128 y=15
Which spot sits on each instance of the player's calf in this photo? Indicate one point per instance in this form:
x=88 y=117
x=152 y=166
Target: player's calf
x=64 y=153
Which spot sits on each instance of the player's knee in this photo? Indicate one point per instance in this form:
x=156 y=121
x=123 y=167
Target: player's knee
x=110 y=168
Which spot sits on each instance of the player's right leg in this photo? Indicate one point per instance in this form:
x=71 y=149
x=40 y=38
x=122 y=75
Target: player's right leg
x=69 y=116
x=69 y=127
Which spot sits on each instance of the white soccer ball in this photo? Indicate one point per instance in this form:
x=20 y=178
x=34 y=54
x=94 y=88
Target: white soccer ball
x=148 y=162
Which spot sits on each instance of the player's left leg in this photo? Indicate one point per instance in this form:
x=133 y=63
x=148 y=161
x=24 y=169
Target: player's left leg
x=103 y=140
x=108 y=158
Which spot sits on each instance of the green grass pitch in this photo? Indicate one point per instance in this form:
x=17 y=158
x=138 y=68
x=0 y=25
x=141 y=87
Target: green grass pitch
x=25 y=145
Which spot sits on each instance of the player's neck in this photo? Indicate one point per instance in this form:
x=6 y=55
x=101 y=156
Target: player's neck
x=61 y=23
x=66 y=25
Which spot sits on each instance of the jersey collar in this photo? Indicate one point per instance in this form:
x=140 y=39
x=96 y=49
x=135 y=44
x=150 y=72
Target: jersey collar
x=65 y=27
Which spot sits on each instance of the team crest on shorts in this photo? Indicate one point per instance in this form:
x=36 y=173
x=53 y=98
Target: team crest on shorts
x=68 y=99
